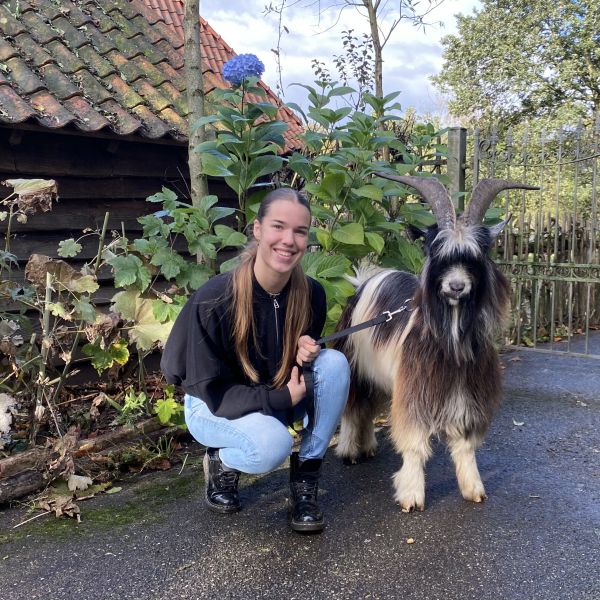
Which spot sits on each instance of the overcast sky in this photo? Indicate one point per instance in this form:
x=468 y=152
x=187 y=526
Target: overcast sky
x=410 y=57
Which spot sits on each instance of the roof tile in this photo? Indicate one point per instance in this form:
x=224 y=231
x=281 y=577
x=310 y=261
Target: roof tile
x=74 y=37
x=101 y=20
x=124 y=93
x=91 y=87
x=7 y=50
x=13 y=109
x=9 y=25
x=20 y=73
x=122 y=122
x=58 y=83
x=100 y=65
x=152 y=96
x=64 y=58
x=175 y=57
x=88 y=118
x=78 y=17
x=129 y=9
x=129 y=70
x=31 y=50
x=50 y=112
x=101 y=42
x=153 y=126
x=39 y=29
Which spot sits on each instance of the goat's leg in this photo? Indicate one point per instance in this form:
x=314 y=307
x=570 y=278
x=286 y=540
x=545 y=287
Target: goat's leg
x=462 y=450
x=357 y=432
x=412 y=441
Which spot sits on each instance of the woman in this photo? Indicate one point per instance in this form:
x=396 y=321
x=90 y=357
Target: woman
x=235 y=348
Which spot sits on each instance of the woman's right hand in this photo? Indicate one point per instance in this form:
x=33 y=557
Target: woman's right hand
x=296 y=386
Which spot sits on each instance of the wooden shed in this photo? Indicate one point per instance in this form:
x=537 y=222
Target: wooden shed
x=92 y=94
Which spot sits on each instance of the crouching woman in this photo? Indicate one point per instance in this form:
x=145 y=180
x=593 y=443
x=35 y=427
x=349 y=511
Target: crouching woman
x=235 y=348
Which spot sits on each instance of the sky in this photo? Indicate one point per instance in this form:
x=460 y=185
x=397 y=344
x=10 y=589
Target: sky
x=411 y=56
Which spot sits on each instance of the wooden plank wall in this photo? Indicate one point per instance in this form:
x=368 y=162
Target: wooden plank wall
x=93 y=176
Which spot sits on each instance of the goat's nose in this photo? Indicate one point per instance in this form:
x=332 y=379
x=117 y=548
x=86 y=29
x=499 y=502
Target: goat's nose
x=457 y=286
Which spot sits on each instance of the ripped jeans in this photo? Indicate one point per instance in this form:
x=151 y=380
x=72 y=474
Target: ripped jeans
x=258 y=443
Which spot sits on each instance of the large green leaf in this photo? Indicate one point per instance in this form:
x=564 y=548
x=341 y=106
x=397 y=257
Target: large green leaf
x=375 y=241
x=215 y=166
x=369 y=191
x=352 y=234
x=264 y=165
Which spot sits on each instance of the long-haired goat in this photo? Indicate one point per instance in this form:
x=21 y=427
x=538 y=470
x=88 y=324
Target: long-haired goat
x=436 y=360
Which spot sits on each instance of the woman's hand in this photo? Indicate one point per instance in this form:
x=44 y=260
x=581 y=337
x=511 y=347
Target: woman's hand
x=307 y=350
x=296 y=386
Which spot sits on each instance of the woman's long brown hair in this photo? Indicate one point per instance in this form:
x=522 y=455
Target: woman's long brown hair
x=298 y=312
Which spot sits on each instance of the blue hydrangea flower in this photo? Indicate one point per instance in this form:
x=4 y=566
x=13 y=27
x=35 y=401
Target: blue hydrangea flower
x=241 y=67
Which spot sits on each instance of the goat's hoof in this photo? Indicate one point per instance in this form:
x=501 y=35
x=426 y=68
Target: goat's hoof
x=370 y=453
x=475 y=494
x=349 y=461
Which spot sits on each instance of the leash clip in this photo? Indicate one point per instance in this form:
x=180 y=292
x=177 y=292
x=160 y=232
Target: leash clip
x=390 y=315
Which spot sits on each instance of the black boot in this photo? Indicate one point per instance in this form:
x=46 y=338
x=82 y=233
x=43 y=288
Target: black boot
x=221 y=484
x=305 y=514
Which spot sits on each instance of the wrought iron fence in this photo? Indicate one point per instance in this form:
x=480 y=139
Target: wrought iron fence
x=551 y=249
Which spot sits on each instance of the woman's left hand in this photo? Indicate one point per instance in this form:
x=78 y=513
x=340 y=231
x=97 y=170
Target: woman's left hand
x=308 y=350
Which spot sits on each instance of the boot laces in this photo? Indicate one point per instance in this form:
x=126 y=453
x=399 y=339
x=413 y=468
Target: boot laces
x=306 y=488
x=228 y=480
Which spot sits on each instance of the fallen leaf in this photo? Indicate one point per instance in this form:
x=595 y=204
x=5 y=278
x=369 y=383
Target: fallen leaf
x=78 y=482
x=410 y=541
x=114 y=490
x=515 y=359
x=518 y=423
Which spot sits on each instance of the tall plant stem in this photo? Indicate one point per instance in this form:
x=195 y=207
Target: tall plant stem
x=46 y=342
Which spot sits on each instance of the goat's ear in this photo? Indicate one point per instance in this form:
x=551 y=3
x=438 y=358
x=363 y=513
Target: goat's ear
x=496 y=230
x=414 y=233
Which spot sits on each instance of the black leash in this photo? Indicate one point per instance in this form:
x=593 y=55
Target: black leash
x=384 y=317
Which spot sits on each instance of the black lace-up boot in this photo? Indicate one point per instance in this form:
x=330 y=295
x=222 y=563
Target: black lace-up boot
x=221 y=484
x=305 y=514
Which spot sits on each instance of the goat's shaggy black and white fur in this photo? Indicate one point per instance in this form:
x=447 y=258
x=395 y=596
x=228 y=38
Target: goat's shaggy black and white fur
x=436 y=362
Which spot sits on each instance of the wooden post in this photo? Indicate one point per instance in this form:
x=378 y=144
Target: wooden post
x=457 y=156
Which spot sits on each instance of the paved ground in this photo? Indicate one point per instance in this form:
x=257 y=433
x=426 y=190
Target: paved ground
x=536 y=538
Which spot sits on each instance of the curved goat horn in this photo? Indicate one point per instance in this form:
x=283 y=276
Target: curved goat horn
x=434 y=193
x=483 y=194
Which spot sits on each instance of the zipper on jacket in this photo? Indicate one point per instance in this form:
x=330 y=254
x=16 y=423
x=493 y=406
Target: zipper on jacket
x=276 y=308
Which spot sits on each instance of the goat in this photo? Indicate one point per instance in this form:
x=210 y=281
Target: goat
x=436 y=360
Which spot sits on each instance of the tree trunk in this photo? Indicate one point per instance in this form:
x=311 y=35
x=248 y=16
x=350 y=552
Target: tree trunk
x=195 y=98
x=377 y=48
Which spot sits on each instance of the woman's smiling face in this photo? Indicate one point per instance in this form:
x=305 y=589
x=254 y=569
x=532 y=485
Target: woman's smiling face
x=282 y=237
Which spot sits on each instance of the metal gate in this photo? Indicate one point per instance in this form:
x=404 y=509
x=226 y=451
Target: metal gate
x=551 y=249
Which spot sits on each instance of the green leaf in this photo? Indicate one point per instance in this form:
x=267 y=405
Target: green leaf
x=369 y=191
x=83 y=285
x=164 y=311
x=130 y=270
x=215 y=167
x=69 y=248
x=85 y=310
x=229 y=265
x=59 y=310
x=101 y=359
x=166 y=409
x=352 y=234
x=205 y=121
x=325 y=266
x=264 y=165
x=375 y=241
x=119 y=351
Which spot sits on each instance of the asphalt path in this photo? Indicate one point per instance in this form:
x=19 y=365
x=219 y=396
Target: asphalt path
x=537 y=537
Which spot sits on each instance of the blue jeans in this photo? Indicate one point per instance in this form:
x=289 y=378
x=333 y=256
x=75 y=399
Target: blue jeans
x=258 y=443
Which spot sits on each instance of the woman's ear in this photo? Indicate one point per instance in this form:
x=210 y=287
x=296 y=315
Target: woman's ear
x=256 y=230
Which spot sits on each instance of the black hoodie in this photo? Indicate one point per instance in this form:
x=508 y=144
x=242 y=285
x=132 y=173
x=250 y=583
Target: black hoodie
x=200 y=355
